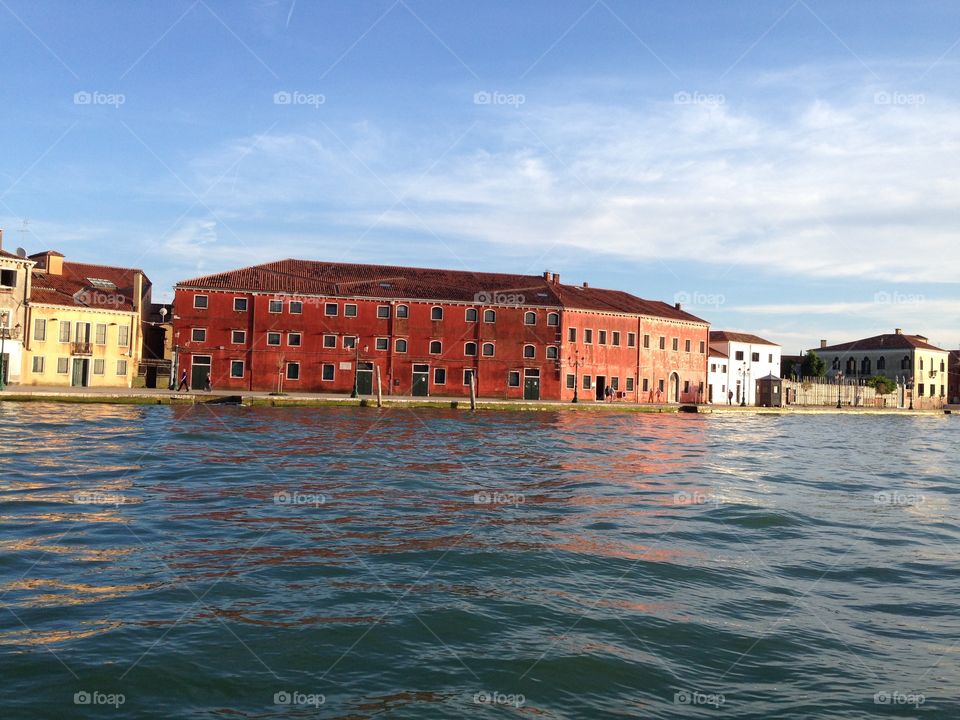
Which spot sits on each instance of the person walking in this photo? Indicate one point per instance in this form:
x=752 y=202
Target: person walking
x=183 y=381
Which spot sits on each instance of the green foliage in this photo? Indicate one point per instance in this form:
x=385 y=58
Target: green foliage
x=813 y=365
x=883 y=385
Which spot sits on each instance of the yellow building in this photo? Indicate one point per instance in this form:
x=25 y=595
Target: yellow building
x=14 y=293
x=84 y=324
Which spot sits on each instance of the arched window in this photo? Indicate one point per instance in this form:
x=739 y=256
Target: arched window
x=836 y=363
x=865 y=366
x=553 y=319
x=921 y=364
x=552 y=352
x=401 y=345
x=403 y=311
x=489 y=316
x=851 y=366
x=471 y=315
x=942 y=367
x=487 y=349
x=470 y=349
x=436 y=313
x=436 y=347
x=905 y=363
x=529 y=351
x=529 y=318
x=881 y=363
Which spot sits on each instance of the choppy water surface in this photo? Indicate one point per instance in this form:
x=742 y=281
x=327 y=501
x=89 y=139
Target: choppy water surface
x=355 y=563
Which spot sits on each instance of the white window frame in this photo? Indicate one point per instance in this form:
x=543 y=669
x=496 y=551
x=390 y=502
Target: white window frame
x=65 y=364
x=467 y=312
x=396 y=346
x=483 y=349
x=346 y=310
x=439 y=344
x=553 y=319
x=433 y=310
x=206 y=302
x=382 y=341
x=299 y=337
x=555 y=350
x=246 y=304
x=519 y=374
x=350 y=342
x=233 y=337
x=532 y=355
x=327 y=306
x=243 y=368
x=475 y=349
x=444 y=371
x=331 y=346
x=406 y=310
x=193 y=335
x=323 y=372
x=381 y=315
x=490 y=322
x=270 y=305
x=279 y=338
x=286 y=373
x=526 y=317
x=122 y=363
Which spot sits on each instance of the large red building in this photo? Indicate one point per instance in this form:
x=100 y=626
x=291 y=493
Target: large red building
x=321 y=327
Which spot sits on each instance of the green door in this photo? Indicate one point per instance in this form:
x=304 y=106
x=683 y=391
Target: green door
x=199 y=372
x=365 y=378
x=531 y=384
x=421 y=380
x=79 y=377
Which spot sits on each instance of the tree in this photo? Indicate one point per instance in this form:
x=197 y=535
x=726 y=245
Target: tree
x=883 y=385
x=813 y=365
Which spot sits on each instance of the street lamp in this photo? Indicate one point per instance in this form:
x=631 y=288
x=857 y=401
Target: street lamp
x=576 y=373
x=744 y=381
x=839 y=385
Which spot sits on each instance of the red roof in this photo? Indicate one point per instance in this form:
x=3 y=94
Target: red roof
x=890 y=341
x=727 y=336
x=394 y=282
x=85 y=285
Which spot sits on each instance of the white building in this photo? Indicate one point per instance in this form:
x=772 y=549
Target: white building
x=748 y=358
x=717 y=385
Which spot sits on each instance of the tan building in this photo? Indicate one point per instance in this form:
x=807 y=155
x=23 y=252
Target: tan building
x=907 y=359
x=14 y=294
x=84 y=323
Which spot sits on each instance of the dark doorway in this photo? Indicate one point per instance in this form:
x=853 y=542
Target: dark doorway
x=81 y=373
x=421 y=380
x=531 y=384
x=200 y=372
x=365 y=378
x=601 y=386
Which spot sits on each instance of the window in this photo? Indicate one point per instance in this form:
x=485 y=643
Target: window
x=98 y=367
x=529 y=318
x=329 y=341
x=63 y=365
x=739 y=355
x=703 y=347
x=240 y=305
x=327 y=372
x=713 y=367
x=602 y=337
x=571 y=381
x=436 y=313
x=65 y=332
x=881 y=363
x=198 y=335
x=201 y=302
x=236 y=368
x=383 y=311
x=273 y=338
x=552 y=352
x=101 y=334
x=586 y=382
x=470 y=315
x=382 y=344
x=470 y=349
x=921 y=363
x=39 y=332
x=660 y=385
x=686 y=386
x=941 y=365
x=629 y=384
x=489 y=316
x=8 y=278
x=403 y=311
x=121 y=367
x=123 y=336
x=572 y=334
x=553 y=319
x=616 y=339
x=487 y=349
x=905 y=363
x=276 y=306
x=614 y=383
x=755 y=357
x=646 y=341
x=529 y=351
x=296 y=307
x=513 y=378
x=646 y=384
x=349 y=342
x=770 y=358
x=588 y=336
x=686 y=346
x=663 y=343
x=294 y=339
x=439 y=376
x=293 y=371
x=400 y=345
x=238 y=337
x=920 y=389
x=350 y=310
x=330 y=309
x=675 y=344
x=436 y=347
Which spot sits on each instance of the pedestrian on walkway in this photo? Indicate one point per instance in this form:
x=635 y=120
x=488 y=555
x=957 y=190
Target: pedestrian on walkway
x=183 y=381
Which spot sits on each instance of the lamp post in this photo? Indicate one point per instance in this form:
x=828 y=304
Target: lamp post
x=910 y=388
x=576 y=373
x=744 y=380
x=839 y=385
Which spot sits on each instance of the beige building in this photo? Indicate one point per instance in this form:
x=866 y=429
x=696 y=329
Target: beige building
x=14 y=294
x=84 y=323
x=908 y=359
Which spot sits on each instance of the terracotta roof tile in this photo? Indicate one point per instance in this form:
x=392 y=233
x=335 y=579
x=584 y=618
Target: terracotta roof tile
x=74 y=287
x=889 y=341
x=728 y=336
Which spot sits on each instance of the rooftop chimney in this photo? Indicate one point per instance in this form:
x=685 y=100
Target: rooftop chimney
x=556 y=278
x=899 y=331
x=547 y=275
x=677 y=305
x=823 y=343
x=586 y=284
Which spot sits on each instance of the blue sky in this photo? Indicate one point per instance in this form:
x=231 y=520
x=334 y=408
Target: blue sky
x=790 y=168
